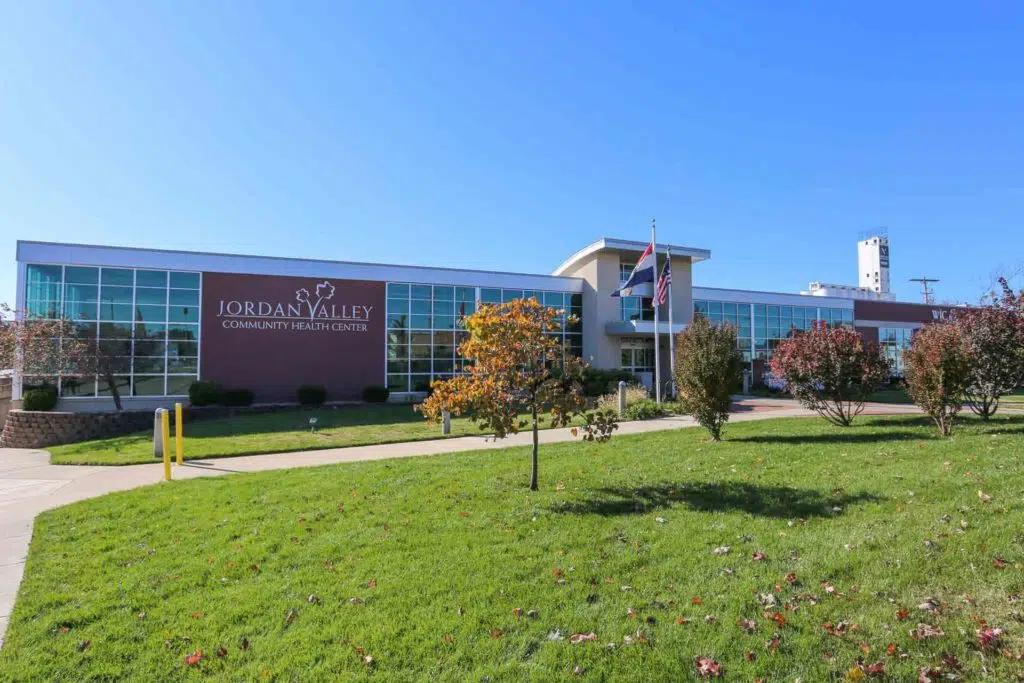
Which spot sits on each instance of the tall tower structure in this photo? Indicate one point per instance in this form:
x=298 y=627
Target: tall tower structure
x=873 y=262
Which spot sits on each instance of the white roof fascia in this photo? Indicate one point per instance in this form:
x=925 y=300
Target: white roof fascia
x=130 y=257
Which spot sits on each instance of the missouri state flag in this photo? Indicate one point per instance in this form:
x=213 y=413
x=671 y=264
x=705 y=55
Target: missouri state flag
x=641 y=278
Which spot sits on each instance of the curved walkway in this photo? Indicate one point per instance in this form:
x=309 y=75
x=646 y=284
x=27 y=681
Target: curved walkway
x=29 y=484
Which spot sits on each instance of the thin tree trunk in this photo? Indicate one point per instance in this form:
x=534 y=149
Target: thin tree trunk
x=533 y=475
x=112 y=385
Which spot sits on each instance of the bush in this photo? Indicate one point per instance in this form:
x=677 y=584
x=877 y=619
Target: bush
x=707 y=369
x=831 y=370
x=204 y=393
x=646 y=409
x=43 y=398
x=937 y=368
x=597 y=382
x=634 y=393
x=312 y=394
x=236 y=398
x=376 y=393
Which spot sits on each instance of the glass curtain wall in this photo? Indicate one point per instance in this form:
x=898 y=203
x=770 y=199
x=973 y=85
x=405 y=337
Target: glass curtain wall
x=634 y=307
x=761 y=327
x=894 y=341
x=425 y=328
x=145 y=321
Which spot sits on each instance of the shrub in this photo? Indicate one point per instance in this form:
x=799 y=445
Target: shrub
x=645 y=409
x=204 y=393
x=236 y=398
x=376 y=393
x=831 y=370
x=994 y=336
x=937 y=369
x=634 y=393
x=707 y=369
x=312 y=394
x=597 y=382
x=43 y=398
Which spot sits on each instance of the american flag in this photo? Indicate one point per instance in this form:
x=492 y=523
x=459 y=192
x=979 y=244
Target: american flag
x=664 y=282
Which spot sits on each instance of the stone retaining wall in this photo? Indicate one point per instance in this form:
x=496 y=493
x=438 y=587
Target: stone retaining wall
x=37 y=429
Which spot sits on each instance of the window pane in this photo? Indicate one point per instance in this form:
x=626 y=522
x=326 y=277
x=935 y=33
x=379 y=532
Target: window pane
x=420 y=382
x=185 y=280
x=81 y=275
x=465 y=294
x=490 y=296
x=444 y=308
x=87 y=293
x=398 y=382
x=43 y=283
x=152 y=348
x=77 y=386
x=151 y=297
x=447 y=366
x=444 y=322
x=420 y=307
x=444 y=293
x=77 y=310
x=115 y=295
x=184 y=297
x=184 y=314
x=186 y=332
x=398 y=321
x=178 y=386
x=148 y=365
x=149 y=385
x=43 y=309
x=115 y=330
x=420 y=322
x=116 y=276
x=554 y=299
x=398 y=290
x=177 y=366
x=146 y=330
x=420 y=291
x=421 y=338
x=116 y=347
x=419 y=352
x=398 y=306
x=151 y=314
x=151 y=278
x=398 y=365
x=398 y=351
x=715 y=307
x=420 y=365
x=181 y=348
x=511 y=295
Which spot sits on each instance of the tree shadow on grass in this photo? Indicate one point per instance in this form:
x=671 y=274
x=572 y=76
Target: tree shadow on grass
x=762 y=501
x=838 y=438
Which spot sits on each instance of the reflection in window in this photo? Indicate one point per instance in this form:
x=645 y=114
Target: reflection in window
x=132 y=307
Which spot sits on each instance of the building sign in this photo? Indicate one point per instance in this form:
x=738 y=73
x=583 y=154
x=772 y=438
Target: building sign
x=898 y=311
x=272 y=334
x=316 y=312
x=883 y=255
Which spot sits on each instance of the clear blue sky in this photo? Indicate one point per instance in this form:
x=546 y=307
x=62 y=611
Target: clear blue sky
x=505 y=135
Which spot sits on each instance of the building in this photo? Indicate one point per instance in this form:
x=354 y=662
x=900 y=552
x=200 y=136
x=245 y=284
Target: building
x=272 y=324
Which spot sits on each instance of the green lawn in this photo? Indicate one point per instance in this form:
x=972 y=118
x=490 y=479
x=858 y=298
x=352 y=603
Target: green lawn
x=247 y=434
x=423 y=563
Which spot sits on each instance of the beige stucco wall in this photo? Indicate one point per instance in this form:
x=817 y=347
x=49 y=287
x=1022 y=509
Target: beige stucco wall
x=600 y=273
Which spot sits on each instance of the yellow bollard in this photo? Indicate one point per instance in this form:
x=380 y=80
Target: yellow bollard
x=165 y=437
x=179 y=437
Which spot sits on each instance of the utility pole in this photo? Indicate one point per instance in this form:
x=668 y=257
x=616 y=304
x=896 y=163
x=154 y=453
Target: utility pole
x=925 y=292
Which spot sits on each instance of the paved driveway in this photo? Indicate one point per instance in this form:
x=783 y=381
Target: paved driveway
x=29 y=484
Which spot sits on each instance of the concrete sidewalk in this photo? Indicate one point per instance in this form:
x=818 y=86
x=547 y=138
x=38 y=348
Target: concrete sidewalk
x=29 y=484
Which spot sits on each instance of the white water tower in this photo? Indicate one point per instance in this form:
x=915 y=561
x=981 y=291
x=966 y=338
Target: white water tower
x=873 y=261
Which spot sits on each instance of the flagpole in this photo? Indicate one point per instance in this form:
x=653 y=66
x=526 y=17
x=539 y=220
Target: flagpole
x=671 y=334
x=654 y=302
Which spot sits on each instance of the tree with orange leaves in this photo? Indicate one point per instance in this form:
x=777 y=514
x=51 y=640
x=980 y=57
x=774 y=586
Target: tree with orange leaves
x=517 y=367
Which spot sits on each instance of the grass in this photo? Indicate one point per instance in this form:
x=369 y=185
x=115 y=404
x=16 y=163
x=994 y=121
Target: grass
x=282 y=432
x=440 y=552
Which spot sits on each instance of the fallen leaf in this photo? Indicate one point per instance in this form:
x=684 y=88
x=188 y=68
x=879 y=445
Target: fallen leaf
x=222 y=652
x=759 y=556
x=722 y=550
x=313 y=599
x=989 y=638
x=708 y=668
x=245 y=645
x=496 y=633
x=748 y=625
x=83 y=646
x=999 y=563
x=582 y=637
x=194 y=658
x=517 y=611
x=926 y=631
x=197 y=615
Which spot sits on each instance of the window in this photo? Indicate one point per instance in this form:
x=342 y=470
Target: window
x=147 y=320
x=425 y=328
x=894 y=341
